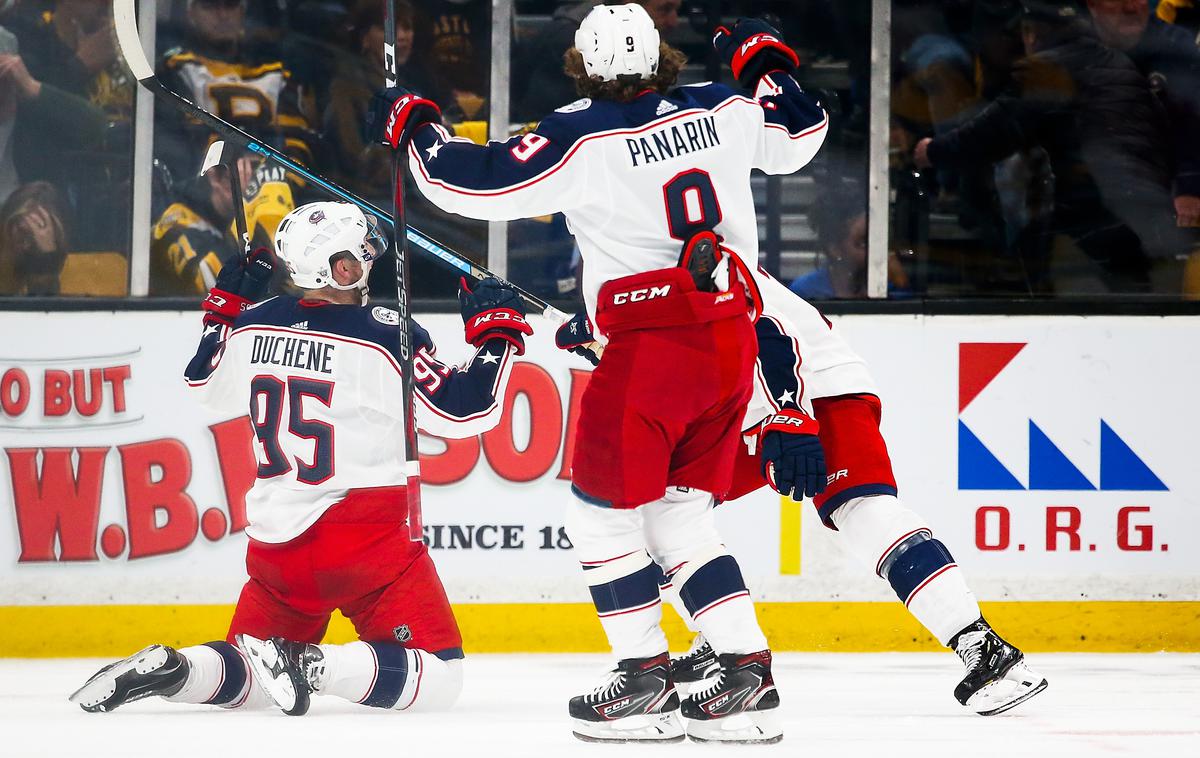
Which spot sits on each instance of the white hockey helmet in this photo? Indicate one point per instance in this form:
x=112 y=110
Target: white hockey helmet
x=312 y=234
x=618 y=40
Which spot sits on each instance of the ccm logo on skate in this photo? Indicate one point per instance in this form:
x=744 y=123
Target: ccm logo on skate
x=638 y=295
x=612 y=708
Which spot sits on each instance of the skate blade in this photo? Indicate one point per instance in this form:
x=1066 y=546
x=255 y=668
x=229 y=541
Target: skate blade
x=1017 y=685
x=267 y=666
x=663 y=727
x=756 y=727
x=103 y=683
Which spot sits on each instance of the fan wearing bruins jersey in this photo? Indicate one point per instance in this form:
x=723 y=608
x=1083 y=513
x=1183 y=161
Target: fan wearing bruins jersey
x=195 y=234
x=245 y=84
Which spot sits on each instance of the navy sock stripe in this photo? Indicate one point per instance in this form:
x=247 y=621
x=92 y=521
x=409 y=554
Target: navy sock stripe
x=392 y=661
x=235 y=673
x=636 y=589
x=850 y=493
x=915 y=565
x=717 y=579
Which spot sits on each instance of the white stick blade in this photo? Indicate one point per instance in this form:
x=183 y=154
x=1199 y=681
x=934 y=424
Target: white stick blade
x=125 y=21
x=212 y=157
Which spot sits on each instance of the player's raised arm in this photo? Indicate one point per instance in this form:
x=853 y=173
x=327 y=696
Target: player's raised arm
x=464 y=401
x=241 y=283
x=527 y=175
x=794 y=123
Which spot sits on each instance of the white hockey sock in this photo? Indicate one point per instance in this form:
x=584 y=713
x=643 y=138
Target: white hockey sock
x=625 y=593
x=386 y=675
x=621 y=577
x=670 y=593
x=219 y=675
x=682 y=535
x=715 y=597
x=898 y=545
x=944 y=604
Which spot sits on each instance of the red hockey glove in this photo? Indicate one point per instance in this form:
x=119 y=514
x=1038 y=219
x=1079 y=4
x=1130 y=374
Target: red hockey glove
x=793 y=461
x=241 y=282
x=753 y=48
x=396 y=109
x=493 y=309
x=576 y=336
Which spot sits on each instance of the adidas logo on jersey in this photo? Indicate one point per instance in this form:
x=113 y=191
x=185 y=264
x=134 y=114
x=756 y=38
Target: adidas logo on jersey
x=665 y=106
x=300 y=325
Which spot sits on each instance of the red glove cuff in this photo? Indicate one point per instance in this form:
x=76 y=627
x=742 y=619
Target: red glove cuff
x=516 y=340
x=790 y=421
x=402 y=110
x=480 y=326
x=224 y=306
x=756 y=45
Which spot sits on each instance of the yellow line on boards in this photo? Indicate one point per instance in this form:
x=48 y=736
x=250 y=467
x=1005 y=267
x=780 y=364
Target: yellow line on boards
x=789 y=536
x=39 y=631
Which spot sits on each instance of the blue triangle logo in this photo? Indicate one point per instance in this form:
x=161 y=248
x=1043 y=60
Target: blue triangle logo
x=1121 y=468
x=978 y=469
x=1049 y=467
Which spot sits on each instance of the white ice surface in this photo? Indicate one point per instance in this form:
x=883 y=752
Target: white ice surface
x=874 y=706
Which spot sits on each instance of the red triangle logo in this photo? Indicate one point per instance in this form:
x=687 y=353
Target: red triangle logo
x=979 y=363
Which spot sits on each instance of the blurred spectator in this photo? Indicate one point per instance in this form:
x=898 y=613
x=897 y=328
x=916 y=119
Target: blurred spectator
x=245 y=84
x=1104 y=132
x=453 y=39
x=39 y=120
x=193 y=237
x=72 y=46
x=664 y=14
x=840 y=221
x=33 y=241
x=366 y=167
x=1167 y=55
x=543 y=86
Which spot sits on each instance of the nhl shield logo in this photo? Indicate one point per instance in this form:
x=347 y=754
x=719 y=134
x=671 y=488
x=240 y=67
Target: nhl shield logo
x=403 y=633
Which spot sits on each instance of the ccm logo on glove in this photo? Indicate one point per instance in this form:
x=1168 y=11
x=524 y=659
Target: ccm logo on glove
x=638 y=295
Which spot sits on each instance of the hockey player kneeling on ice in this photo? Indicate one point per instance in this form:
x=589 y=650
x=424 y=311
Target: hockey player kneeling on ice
x=643 y=169
x=319 y=377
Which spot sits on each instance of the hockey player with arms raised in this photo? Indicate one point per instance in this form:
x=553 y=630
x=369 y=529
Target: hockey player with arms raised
x=320 y=378
x=648 y=176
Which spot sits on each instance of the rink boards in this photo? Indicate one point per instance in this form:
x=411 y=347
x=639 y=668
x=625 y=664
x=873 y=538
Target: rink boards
x=1054 y=455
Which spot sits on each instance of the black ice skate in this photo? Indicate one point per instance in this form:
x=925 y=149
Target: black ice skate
x=997 y=676
x=287 y=671
x=696 y=665
x=156 y=670
x=739 y=704
x=636 y=702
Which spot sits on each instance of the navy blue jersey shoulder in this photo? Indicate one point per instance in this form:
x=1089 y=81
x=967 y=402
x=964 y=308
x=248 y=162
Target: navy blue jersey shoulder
x=573 y=122
x=374 y=324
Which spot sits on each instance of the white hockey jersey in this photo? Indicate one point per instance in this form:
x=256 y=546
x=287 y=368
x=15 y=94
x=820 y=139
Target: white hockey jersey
x=634 y=180
x=321 y=385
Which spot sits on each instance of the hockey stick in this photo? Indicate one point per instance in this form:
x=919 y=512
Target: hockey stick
x=399 y=244
x=125 y=22
x=212 y=159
